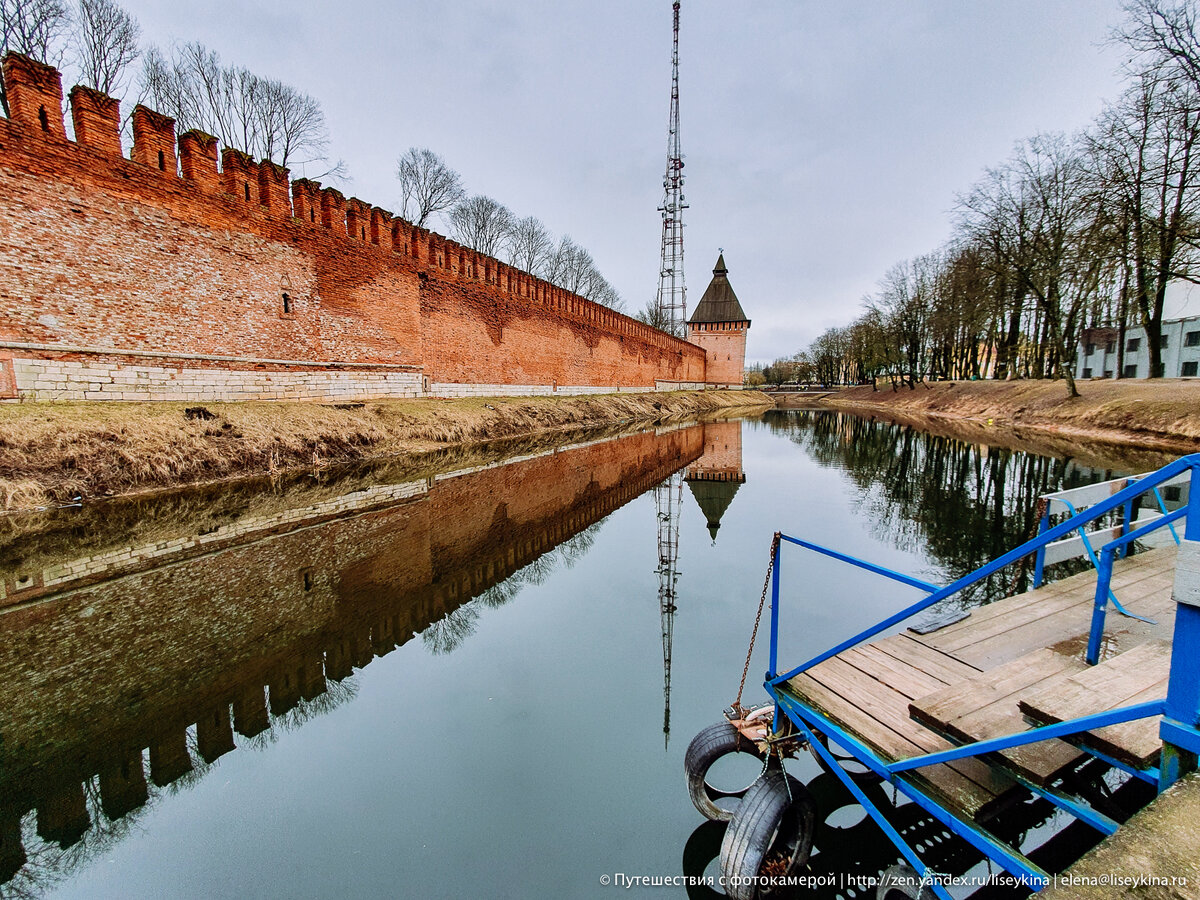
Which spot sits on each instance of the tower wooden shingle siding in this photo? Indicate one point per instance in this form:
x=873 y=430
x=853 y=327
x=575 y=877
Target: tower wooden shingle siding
x=719 y=325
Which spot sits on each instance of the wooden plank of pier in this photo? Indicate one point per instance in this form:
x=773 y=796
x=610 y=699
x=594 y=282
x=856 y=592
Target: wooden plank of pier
x=908 y=694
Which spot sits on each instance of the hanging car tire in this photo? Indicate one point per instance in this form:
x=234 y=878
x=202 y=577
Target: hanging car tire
x=773 y=824
x=901 y=882
x=715 y=741
x=858 y=773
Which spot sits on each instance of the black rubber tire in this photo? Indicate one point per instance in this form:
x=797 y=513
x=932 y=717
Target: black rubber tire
x=715 y=741
x=901 y=882
x=858 y=773
x=775 y=817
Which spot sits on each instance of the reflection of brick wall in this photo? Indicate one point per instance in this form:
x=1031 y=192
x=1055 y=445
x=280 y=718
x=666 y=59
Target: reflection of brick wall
x=285 y=601
x=188 y=275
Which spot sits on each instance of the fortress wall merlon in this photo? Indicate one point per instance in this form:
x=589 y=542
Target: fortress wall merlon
x=498 y=325
x=154 y=140
x=306 y=201
x=239 y=177
x=273 y=189
x=358 y=219
x=97 y=119
x=198 y=160
x=34 y=96
x=380 y=232
x=333 y=211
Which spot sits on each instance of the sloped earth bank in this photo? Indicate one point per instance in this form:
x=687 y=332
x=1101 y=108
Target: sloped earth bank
x=1158 y=414
x=57 y=452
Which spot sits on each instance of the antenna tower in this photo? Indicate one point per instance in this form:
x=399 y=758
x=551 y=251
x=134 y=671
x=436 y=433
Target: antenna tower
x=672 y=311
x=672 y=292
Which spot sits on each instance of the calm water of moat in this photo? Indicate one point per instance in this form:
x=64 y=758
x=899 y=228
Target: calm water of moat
x=453 y=685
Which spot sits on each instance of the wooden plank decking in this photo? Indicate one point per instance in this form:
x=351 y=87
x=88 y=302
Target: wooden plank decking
x=985 y=676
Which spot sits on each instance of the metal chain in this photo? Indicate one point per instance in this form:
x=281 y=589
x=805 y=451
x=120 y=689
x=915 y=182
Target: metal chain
x=737 y=704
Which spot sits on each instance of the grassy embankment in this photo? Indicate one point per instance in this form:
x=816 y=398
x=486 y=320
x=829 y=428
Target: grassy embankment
x=52 y=452
x=1155 y=414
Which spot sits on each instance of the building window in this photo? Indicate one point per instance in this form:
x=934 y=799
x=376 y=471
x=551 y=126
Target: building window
x=1087 y=373
x=1110 y=347
x=1091 y=348
x=287 y=303
x=1188 y=370
x=1172 y=493
x=1130 y=372
x=1108 y=373
x=246 y=188
x=1133 y=345
x=1192 y=339
x=1162 y=342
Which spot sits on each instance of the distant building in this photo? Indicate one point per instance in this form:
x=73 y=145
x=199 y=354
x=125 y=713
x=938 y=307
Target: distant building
x=1098 y=355
x=719 y=325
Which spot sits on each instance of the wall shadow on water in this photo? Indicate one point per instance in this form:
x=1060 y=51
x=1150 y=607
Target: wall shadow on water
x=964 y=502
x=135 y=668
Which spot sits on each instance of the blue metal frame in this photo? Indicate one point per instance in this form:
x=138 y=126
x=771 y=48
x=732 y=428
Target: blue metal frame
x=1180 y=709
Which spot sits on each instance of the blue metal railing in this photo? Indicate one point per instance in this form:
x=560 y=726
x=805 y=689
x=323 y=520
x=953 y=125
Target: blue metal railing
x=1119 y=499
x=1180 y=710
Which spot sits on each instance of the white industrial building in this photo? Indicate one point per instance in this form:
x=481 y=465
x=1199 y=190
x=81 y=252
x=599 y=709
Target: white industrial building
x=1098 y=355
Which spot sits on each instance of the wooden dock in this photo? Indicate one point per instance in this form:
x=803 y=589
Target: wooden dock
x=1008 y=666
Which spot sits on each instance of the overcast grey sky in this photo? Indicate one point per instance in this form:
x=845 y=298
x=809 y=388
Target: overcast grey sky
x=824 y=141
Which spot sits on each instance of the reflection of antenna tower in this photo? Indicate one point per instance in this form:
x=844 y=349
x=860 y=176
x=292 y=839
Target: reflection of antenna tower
x=667 y=498
x=672 y=293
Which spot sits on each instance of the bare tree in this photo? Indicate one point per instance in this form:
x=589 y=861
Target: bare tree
x=1164 y=33
x=34 y=28
x=481 y=223
x=654 y=315
x=256 y=115
x=572 y=268
x=1147 y=170
x=105 y=44
x=529 y=245
x=427 y=185
x=1047 y=228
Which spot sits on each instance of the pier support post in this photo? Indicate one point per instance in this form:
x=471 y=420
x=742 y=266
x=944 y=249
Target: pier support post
x=1179 y=729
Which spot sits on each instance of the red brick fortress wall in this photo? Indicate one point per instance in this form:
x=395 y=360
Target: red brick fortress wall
x=165 y=276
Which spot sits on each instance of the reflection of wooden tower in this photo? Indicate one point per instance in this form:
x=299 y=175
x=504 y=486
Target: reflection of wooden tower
x=719 y=325
x=715 y=477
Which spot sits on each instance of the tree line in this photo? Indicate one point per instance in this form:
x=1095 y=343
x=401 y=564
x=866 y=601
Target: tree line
x=98 y=43
x=1070 y=232
x=430 y=187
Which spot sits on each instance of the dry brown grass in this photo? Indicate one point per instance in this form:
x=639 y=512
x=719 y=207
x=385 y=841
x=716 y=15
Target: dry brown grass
x=53 y=452
x=1160 y=414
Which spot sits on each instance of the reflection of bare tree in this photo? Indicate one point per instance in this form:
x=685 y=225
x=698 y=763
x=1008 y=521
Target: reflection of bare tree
x=965 y=503
x=445 y=635
x=449 y=632
x=335 y=694
x=575 y=548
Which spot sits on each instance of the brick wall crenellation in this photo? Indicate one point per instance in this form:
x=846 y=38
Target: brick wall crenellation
x=166 y=251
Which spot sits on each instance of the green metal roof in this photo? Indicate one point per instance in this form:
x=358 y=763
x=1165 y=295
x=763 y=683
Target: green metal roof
x=719 y=303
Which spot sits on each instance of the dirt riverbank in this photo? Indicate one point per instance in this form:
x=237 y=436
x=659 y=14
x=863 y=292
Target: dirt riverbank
x=1159 y=414
x=54 y=452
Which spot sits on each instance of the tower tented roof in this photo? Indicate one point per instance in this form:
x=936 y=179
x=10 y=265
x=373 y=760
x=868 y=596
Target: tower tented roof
x=714 y=498
x=719 y=303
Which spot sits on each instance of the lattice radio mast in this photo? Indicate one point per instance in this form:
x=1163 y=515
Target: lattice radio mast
x=672 y=313
x=672 y=292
